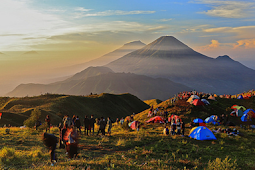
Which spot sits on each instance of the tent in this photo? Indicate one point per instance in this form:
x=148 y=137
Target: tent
x=238 y=107
x=205 y=101
x=192 y=98
x=202 y=133
x=156 y=119
x=134 y=125
x=211 y=97
x=240 y=97
x=197 y=120
x=209 y=120
x=237 y=112
x=245 y=118
x=198 y=102
x=174 y=117
x=250 y=113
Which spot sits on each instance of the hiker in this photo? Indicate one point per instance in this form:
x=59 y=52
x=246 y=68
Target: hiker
x=86 y=125
x=121 y=121
x=109 y=122
x=50 y=142
x=166 y=131
x=73 y=119
x=102 y=125
x=62 y=142
x=178 y=127
x=47 y=120
x=183 y=128
x=117 y=121
x=173 y=127
x=78 y=124
x=37 y=124
x=92 y=122
x=67 y=120
x=72 y=143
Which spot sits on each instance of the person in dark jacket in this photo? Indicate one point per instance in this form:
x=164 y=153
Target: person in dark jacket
x=78 y=124
x=50 y=142
x=86 y=125
x=47 y=120
x=92 y=122
x=102 y=125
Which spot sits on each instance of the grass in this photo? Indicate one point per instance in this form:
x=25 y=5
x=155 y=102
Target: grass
x=146 y=149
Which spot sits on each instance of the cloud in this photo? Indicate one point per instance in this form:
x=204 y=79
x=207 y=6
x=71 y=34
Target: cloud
x=81 y=9
x=228 y=9
x=111 y=13
x=247 y=44
x=165 y=20
x=214 y=44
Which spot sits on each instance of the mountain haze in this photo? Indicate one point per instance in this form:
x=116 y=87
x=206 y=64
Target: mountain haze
x=109 y=57
x=104 y=80
x=169 y=58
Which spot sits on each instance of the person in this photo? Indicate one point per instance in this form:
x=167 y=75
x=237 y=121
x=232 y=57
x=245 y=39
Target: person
x=117 y=121
x=47 y=120
x=92 y=124
x=73 y=119
x=86 y=125
x=50 y=142
x=102 y=125
x=72 y=143
x=173 y=127
x=62 y=142
x=166 y=131
x=78 y=124
x=67 y=120
x=122 y=121
x=109 y=122
x=37 y=124
x=178 y=127
x=183 y=128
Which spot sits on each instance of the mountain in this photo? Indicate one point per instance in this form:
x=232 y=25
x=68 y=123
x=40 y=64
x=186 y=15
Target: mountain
x=169 y=58
x=104 y=80
x=16 y=110
x=109 y=57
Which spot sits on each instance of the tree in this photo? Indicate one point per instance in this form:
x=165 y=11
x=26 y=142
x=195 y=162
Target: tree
x=35 y=115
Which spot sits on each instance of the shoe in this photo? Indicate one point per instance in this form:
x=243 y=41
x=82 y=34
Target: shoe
x=66 y=153
x=52 y=164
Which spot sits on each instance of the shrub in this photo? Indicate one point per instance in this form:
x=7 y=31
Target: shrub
x=218 y=164
x=35 y=115
x=121 y=142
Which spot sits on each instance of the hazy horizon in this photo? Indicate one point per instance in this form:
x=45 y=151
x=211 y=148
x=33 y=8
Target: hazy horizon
x=66 y=33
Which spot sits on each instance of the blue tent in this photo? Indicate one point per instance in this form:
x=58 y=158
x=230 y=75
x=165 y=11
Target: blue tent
x=209 y=120
x=244 y=118
x=246 y=111
x=240 y=97
x=198 y=120
x=202 y=133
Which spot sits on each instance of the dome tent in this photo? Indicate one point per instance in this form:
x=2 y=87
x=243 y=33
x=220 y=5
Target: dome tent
x=202 y=133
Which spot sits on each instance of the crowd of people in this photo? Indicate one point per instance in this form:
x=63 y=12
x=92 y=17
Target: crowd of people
x=69 y=131
x=177 y=127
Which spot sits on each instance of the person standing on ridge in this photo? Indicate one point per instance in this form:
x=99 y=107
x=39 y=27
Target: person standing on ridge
x=47 y=120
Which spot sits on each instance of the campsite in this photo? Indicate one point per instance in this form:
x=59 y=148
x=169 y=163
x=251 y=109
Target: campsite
x=146 y=147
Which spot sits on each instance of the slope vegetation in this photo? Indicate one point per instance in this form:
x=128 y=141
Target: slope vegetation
x=16 y=110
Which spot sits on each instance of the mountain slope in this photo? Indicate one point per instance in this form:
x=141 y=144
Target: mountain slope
x=169 y=58
x=16 y=110
x=109 y=57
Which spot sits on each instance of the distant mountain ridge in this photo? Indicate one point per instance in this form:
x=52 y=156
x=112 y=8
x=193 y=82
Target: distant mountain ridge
x=109 y=57
x=169 y=58
x=104 y=80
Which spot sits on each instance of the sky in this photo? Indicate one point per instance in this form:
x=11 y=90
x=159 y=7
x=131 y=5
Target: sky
x=66 y=32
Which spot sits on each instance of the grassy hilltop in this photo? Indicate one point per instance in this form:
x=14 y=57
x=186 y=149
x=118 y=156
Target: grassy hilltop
x=146 y=149
x=16 y=110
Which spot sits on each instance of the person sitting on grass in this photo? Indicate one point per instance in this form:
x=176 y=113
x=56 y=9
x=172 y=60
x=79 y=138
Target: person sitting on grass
x=50 y=141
